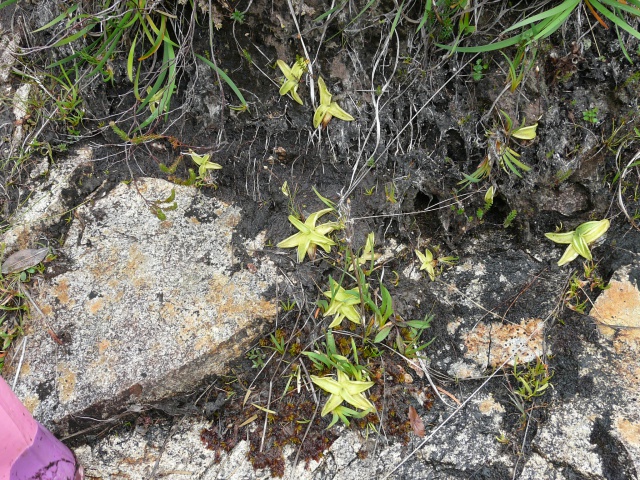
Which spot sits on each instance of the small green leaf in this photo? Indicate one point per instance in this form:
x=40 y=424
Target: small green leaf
x=382 y=334
x=130 y=59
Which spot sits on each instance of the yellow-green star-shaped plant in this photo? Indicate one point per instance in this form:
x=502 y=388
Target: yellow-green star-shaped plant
x=292 y=78
x=204 y=165
x=427 y=262
x=342 y=304
x=343 y=390
x=310 y=236
x=328 y=109
x=579 y=240
x=368 y=255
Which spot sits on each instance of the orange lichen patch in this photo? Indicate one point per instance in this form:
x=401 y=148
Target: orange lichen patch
x=619 y=305
x=629 y=431
x=31 y=403
x=627 y=368
x=118 y=296
x=103 y=346
x=233 y=301
x=104 y=269
x=61 y=291
x=202 y=344
x=489 y=406
x=168 y=310
x=133 y=268
x=232 y=219
x=191 y=328
x=95 y=305
x=46 y=309
x=66 y=383
x=493 y=344
x=135 y=258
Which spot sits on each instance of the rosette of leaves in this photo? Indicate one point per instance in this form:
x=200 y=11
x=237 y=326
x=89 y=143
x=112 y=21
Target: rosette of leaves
x=292 y=76
x=342 y=304
x=509 y=158
x=501 y=151
x=429 y=262
x=344 y=389
x=328 y=109
x=204 y=165
x=310 y=235
x=367 y=255
x=579 y=240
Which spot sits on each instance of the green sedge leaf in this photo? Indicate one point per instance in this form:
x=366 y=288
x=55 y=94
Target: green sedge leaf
x=521 y=165
x=154 y=48
x=425 y=16
x=75 y=36
x=382 y=334
x=53 y=22
x=396 y=19
x=616 y=19
x=130 y=59
x=561 y=11
x=228 y=80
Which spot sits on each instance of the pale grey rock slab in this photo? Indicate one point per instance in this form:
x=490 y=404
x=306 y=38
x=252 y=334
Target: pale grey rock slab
x=176 y=452
x=596 y=433
x=8 y=46
x=565 y=441
x=144 y=309
x=46 y=205
x=537 y=467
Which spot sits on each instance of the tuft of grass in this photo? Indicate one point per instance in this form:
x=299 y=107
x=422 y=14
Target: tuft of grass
x=501 y=152
x=543 y=24
x=17 y=271
x=591 y=115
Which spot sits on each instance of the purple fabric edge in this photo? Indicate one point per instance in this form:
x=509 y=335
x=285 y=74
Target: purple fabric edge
x=46 y=459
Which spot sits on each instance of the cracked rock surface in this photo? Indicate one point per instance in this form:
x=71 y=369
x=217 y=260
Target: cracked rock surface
x=138 y=308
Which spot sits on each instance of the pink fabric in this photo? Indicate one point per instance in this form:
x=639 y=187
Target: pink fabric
x=46 y=459
x=17 y=429
x=28 y=451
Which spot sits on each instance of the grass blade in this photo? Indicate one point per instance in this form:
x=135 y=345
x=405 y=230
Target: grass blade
x=563 y=9
x=75 y=36
x=485 y=48
x=396 y=19
x=154 y=48
x=622 y=6
x=617 y=20
x=329 y=12
x=226 y=78
x=130 y=59
x=366 y=7
x=53 y=22
x=107 y=55
x=427 y=9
